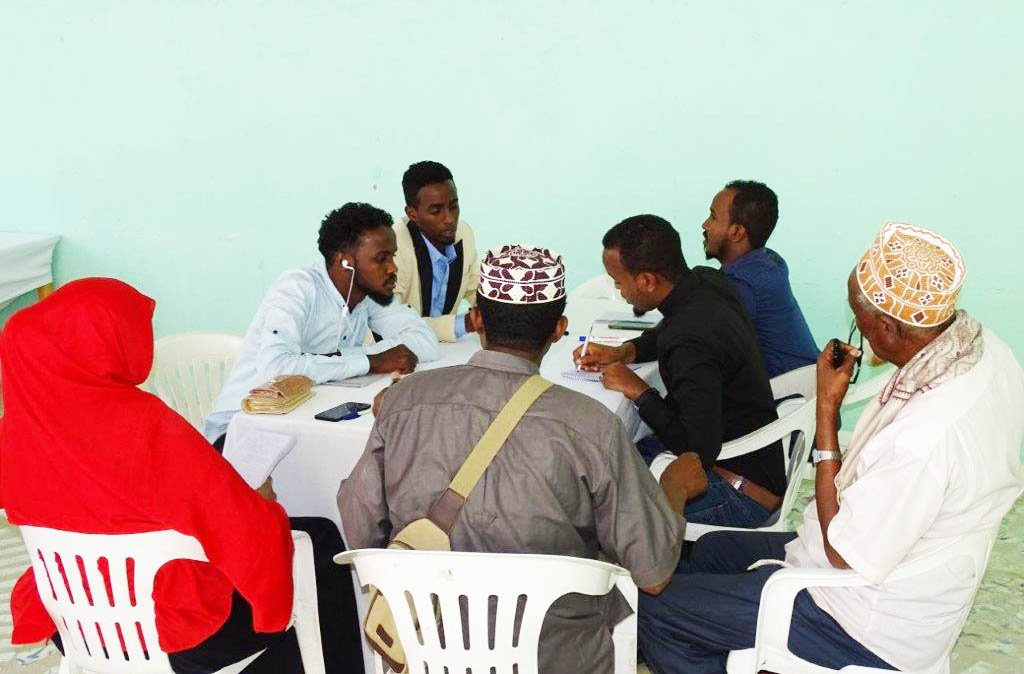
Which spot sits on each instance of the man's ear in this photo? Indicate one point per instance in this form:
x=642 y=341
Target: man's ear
x=891 y=332
x=560 y=329
x=646 y=281
x=410 y=212
x=476 y=319
x=738 y=233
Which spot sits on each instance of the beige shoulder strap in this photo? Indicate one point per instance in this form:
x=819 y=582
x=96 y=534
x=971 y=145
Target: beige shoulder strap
x=447 y=507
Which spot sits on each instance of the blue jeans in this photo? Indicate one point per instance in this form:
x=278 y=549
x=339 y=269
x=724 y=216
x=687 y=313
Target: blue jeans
x=720 y=505
x=710 y=608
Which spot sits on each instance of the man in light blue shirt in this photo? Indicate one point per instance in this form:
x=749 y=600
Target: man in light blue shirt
x=313 y=321
x=439 y=263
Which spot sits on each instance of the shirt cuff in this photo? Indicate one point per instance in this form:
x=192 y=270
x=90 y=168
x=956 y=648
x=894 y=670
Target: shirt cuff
x=649 y=393
x=660 y=463
x=460 y=326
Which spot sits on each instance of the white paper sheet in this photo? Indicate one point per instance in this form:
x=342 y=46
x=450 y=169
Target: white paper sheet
x=254 y=453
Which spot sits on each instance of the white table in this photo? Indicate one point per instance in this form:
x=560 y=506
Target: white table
x=25 y=264
x=307 y=479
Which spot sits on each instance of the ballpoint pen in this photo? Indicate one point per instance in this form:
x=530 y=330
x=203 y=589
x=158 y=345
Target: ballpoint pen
x=586 y=343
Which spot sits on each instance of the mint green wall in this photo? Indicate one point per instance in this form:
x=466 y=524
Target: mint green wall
x=191 y=148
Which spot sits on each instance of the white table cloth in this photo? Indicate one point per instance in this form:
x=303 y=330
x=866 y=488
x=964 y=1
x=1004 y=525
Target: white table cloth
x=307 y=479
x=25 y=263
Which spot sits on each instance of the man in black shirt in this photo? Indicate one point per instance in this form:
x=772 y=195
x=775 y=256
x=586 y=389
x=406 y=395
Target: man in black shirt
x=711 y=364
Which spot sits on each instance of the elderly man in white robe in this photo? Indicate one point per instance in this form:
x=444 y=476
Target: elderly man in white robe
x=934 y=458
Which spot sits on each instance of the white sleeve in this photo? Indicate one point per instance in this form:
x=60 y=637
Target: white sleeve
x=887 y=510
x=399 y=324
x=286 y=310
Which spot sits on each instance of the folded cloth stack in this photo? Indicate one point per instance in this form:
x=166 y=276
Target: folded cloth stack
x=280 y=395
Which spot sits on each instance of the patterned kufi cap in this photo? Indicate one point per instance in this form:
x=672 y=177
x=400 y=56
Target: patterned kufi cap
x=520 y=274
x=912 y=274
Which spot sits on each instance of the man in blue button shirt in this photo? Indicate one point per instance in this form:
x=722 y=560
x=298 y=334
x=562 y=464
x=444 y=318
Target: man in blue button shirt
x=437 y=261
x=743 y=216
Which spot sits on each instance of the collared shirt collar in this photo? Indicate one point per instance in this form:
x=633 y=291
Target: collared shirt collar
x=449 y=250
x=505 y=362
x=677 y=296
x=750 y=257
x=329 y=287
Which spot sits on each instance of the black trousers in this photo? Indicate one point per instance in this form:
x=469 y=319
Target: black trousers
x=340 y=633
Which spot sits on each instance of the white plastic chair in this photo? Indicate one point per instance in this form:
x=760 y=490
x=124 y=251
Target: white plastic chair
x=794 y=427
x=771 y=651
x=601 y=287
x=189 y=370
x=802 y=381
x=114 y=631
x=464 y=584
x=799 y=419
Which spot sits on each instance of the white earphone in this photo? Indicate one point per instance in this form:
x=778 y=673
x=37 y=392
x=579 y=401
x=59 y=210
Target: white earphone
x=345 y=265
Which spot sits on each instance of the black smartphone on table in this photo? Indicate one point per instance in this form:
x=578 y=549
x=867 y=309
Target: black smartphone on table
x=343 y=411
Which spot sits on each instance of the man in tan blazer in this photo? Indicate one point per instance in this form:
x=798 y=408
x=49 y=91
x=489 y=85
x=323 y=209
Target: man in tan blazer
x=437 y=260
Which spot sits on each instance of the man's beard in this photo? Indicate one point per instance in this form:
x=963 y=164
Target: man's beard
x=708 y=255
x=379 y=298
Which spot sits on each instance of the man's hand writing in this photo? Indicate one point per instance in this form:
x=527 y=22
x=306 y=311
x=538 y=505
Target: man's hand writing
x=600 y=355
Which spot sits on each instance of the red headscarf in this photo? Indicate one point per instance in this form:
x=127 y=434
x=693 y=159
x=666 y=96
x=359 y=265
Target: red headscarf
x=83 y=449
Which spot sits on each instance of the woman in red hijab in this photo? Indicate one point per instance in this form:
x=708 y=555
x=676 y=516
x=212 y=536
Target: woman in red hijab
x=83 y=449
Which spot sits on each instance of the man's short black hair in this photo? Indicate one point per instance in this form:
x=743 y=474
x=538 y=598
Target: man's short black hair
x=648 y=243
x=526 y=327
x=756 y=208
x=342 y=228
x=421 y=174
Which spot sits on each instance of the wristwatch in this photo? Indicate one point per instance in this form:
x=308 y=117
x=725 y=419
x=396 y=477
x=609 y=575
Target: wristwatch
x=819 y=455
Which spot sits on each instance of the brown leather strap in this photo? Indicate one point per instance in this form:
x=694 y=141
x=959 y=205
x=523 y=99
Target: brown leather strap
x=754 y=492
x=446 y=509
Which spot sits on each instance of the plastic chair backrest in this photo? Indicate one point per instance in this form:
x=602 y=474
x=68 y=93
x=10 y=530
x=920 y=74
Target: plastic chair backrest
x=99 y=591
x=795 y=428
x=466 y=587
x=802 y=381
x=865 y=390
x=189 y=370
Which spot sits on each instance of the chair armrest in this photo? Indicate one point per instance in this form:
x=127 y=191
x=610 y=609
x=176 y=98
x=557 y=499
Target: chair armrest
x=624 y=634
x=776 y=611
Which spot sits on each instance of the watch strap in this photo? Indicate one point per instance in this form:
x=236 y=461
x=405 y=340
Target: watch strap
x=819 y=455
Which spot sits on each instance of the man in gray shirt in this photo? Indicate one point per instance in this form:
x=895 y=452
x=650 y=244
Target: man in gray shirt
x=567 y=482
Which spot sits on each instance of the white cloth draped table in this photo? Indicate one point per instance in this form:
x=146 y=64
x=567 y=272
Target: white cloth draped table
x=25 y=263
x=307 y=479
